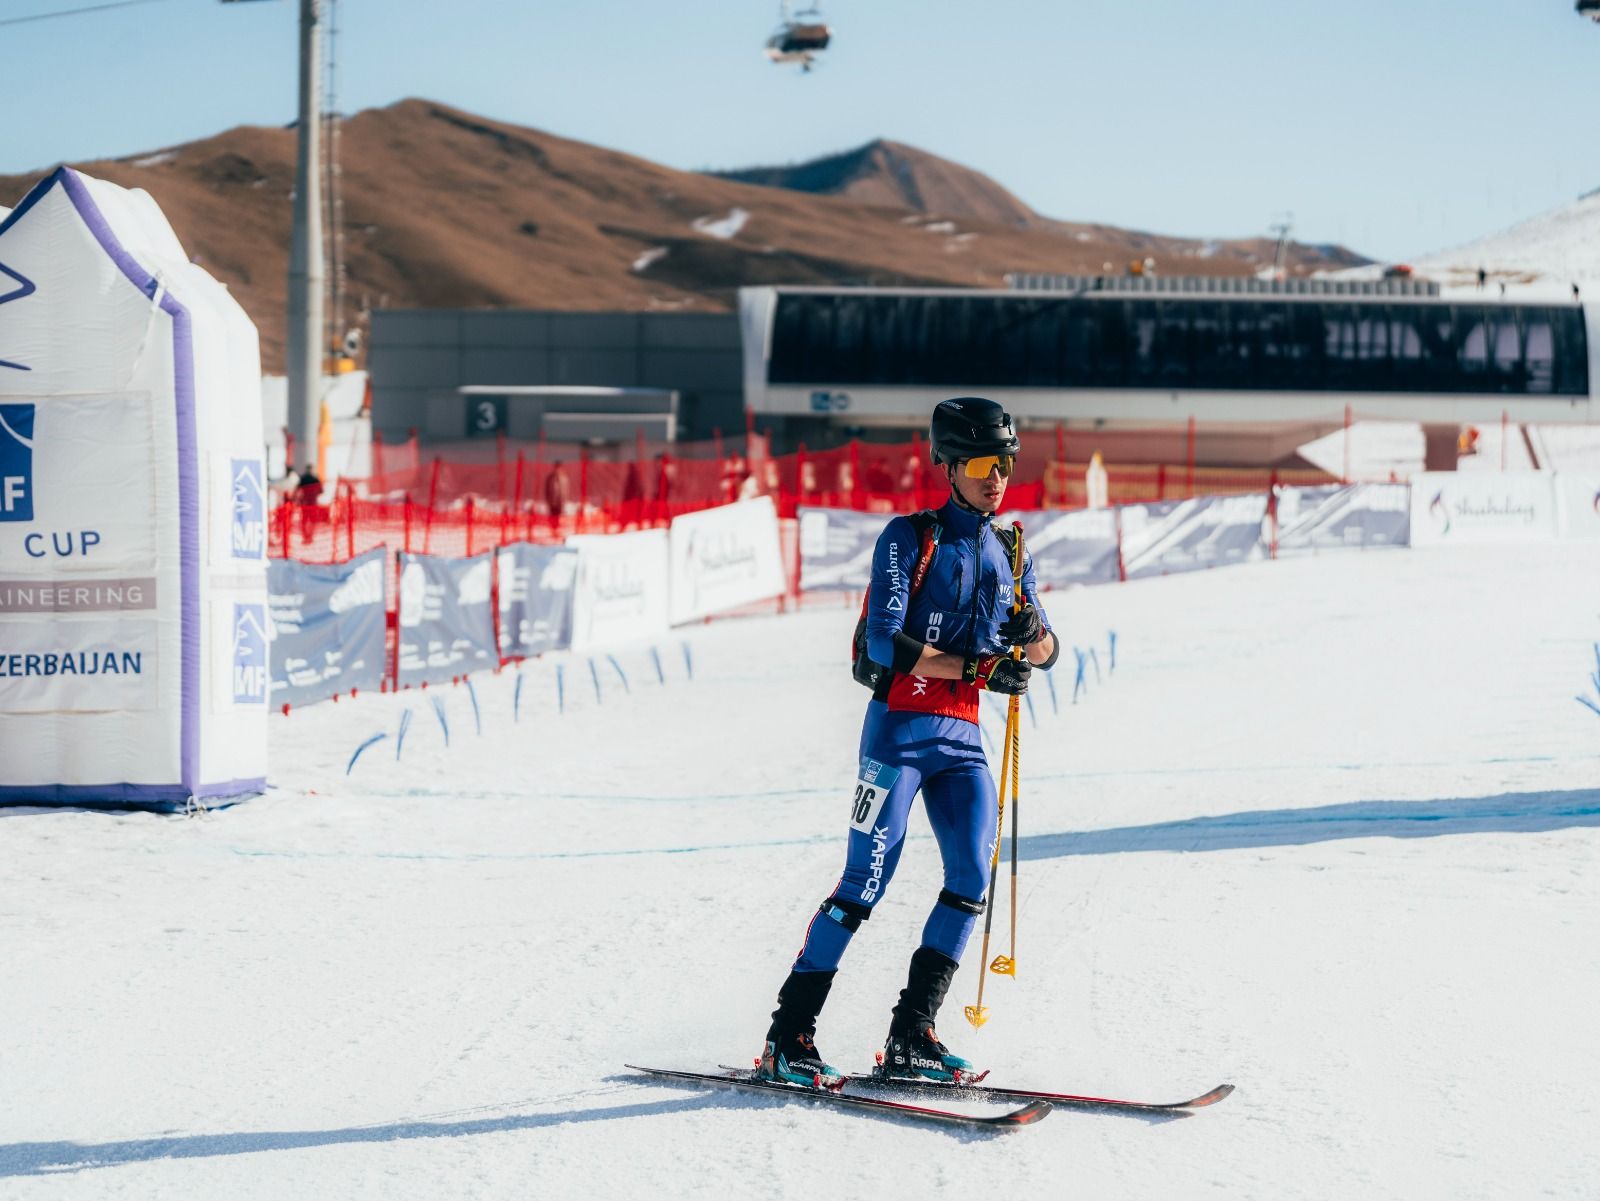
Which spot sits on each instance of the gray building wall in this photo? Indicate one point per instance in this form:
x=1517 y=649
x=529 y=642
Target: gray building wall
x=419 y=357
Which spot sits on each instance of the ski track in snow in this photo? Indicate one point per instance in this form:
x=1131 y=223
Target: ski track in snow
x=1329 y=833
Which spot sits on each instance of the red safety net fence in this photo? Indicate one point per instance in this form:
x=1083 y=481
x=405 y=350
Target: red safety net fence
x=484 y=495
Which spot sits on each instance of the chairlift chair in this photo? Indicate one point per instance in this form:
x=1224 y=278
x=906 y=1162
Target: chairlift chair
x=799 y=38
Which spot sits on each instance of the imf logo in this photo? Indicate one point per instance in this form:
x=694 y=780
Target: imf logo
x=249 y=509
x=16 y=462
x=249 y=654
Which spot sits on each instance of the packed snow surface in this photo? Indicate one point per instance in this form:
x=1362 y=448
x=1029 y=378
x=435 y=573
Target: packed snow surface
x=1330 y=833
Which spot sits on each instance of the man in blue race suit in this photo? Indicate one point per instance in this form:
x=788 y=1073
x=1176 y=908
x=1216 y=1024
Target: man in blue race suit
x=938 y=620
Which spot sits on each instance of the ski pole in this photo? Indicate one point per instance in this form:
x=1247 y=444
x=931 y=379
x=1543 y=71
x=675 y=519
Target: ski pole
x=976 y=1013
x=1010 y=758
x=1006 y=965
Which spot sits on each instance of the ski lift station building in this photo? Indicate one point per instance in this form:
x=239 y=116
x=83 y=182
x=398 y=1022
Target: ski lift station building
x=1256 y=364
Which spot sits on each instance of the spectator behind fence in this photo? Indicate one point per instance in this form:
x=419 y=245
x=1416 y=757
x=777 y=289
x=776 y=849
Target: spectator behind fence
x=308 y=490
x=557 y=491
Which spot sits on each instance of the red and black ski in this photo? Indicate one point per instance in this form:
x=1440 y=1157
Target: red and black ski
x=989 y=1092
x=1031 y=1111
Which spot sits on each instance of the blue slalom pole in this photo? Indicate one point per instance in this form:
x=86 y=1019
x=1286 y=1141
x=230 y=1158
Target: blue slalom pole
x=1080 y=683
x=1094 y=657
x=1033 y=718
x=594 y=674
x=438 y=711
x=376 y=738
x=688 y=661
x=621 y=675
x=1112 y=666
x=516 y=699
x=1055 y=706
x=400 y=739
x=561 y=689
x=655 y=657
x=477 y=716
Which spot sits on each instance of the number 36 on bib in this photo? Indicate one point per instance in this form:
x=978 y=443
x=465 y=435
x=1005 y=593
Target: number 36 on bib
x=872 y=788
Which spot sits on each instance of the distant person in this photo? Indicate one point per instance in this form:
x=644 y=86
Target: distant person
x=1483 y=278
x=557 y=490
x=1577 y=297
x=1502 y=290
x=308 y=490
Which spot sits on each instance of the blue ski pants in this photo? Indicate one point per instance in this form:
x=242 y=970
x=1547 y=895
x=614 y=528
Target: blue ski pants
x=902 y=754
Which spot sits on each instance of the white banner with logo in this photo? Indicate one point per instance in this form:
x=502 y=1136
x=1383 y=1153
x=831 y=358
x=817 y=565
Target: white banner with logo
x=725 y=557
x=77 y=485
x=1449 y=507
x=622 y=588
x=1579 y=497
x=79 y=665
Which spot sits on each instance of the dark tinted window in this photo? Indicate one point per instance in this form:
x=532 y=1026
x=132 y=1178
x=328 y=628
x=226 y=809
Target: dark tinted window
x=1194 y=343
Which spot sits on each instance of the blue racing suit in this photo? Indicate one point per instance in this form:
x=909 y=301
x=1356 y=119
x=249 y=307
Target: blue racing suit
x=922 y=734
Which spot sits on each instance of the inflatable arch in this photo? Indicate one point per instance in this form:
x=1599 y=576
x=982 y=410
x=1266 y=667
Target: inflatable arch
x=133 y=619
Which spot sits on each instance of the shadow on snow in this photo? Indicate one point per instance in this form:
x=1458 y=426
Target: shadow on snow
x=63 y=1157
x=1508 y=812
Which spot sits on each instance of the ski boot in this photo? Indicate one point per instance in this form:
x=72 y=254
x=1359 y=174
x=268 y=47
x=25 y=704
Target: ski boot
x=913 y=1050
x=790 y=1055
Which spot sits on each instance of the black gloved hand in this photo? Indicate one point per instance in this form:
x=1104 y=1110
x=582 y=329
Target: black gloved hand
x=999 y=673
x=1023 y=628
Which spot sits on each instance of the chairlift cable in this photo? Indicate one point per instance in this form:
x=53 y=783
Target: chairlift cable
x=72 y=12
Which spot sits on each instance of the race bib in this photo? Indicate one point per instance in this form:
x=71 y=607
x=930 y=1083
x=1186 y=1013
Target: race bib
x=872 y=789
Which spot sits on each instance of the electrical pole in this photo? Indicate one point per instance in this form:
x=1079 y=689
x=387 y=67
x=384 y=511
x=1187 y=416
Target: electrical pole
x=305 y=247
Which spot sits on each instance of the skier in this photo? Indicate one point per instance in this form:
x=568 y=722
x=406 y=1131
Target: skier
x=938 y=619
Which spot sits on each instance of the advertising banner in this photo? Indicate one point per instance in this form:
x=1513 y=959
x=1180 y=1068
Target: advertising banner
x=77 y=493
x=725 y=557
x=1079 y=547
x=621 y=590
x=1338 y=517
x=836 y=548
x=1449 y=507
x=1579 y=497
x=536 y=585
x=238 y=508
x=327 y=627
x=1187 y=535
x=79 y=665
x=446 y=624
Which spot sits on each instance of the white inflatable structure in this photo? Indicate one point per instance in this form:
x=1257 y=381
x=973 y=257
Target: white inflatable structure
x=133 y=628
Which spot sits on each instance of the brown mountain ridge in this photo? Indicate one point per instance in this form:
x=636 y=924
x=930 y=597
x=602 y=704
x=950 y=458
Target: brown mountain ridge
x=442 y=208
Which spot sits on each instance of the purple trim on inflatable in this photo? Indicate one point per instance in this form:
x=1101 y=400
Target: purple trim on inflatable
x=166 y=798
x=188 y=467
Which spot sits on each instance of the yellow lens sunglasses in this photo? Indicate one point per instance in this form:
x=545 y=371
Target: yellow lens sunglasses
x=980 y=467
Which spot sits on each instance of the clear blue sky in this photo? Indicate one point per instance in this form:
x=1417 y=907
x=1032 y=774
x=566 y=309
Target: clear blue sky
x=1395 y=126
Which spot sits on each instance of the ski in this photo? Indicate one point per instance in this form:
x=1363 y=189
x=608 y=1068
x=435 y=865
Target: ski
x=990 y=1092
x=1030 y=1112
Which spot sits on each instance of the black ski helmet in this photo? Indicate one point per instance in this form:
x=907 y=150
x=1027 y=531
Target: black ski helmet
x=969 y=426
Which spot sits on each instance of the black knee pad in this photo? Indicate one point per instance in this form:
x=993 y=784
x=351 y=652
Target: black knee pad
x=957 y=901
x=849 y=914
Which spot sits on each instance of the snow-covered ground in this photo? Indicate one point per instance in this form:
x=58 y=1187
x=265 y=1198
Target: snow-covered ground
x=1331 y=833
x=1537 y=259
